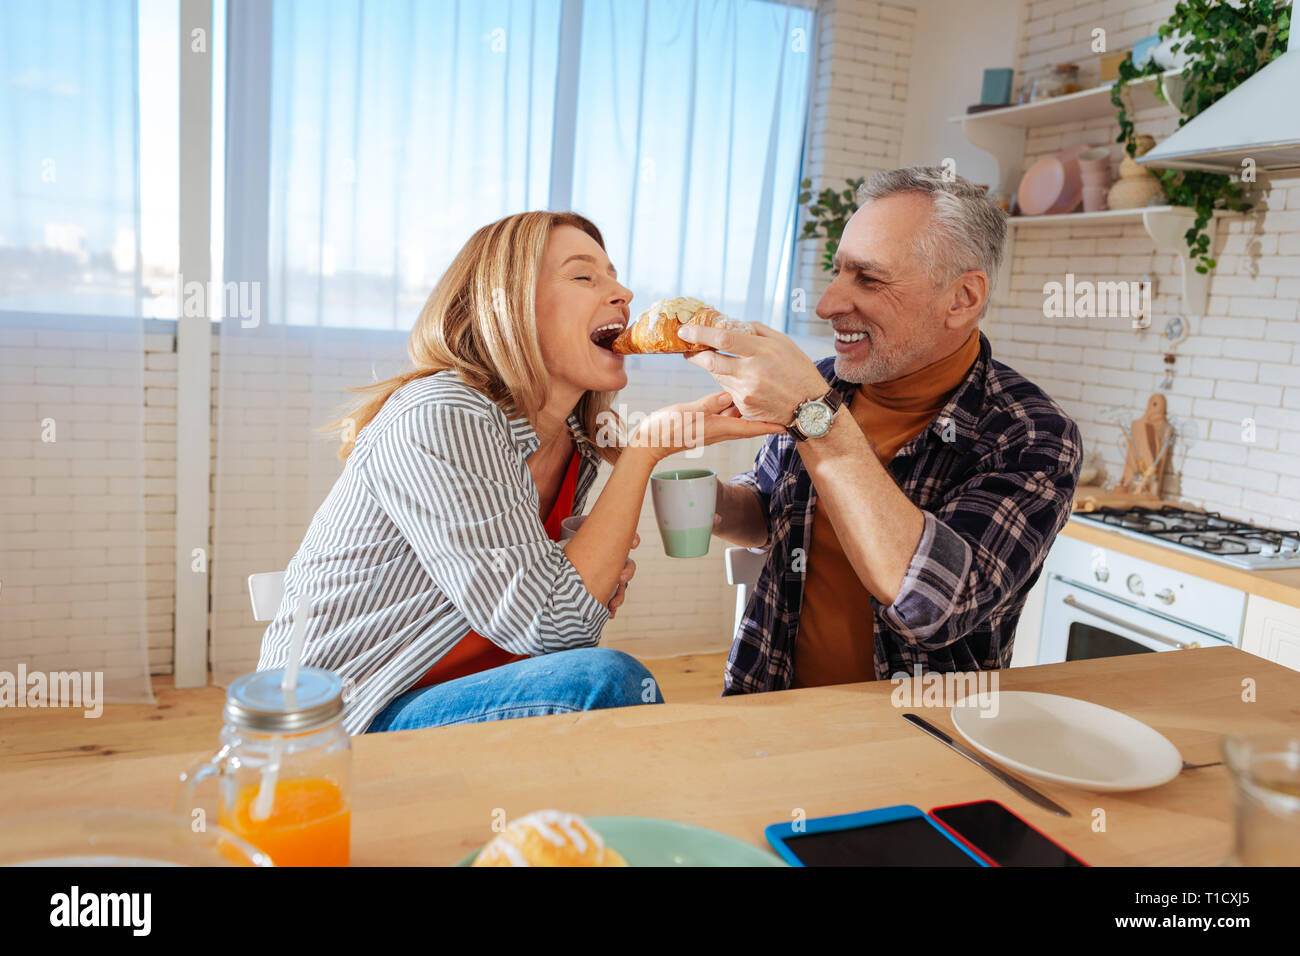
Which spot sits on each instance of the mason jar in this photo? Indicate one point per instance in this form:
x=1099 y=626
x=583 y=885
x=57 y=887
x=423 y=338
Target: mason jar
x=283 y=773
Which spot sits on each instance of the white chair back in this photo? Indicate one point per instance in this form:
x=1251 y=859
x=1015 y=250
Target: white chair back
x=744 y=565
x=265 y=591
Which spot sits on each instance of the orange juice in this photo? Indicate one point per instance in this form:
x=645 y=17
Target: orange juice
x=310 y=823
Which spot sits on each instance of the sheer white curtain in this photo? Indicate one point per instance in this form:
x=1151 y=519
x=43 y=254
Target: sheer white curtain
x=72 y=459
x=690 y=126
x=368 y=140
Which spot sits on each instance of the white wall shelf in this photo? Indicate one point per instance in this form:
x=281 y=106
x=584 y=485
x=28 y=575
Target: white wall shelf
x=1087 y=104
x=1166 y=225
x=1001 y=132
x=1075 y=218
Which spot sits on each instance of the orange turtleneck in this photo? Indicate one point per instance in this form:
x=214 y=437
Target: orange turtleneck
x=836 y=637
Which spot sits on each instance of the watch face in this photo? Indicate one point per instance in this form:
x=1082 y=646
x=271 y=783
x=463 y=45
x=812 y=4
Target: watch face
x=814 y=418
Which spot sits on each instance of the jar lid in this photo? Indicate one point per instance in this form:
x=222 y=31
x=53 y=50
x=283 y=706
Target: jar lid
x=258 y=703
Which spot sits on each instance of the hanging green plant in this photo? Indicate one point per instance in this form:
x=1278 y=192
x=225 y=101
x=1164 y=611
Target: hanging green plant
x=828 y=214
x=1228 y=45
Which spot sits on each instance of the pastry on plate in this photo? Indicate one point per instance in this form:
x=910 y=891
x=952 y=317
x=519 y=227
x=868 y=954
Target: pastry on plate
x=655 y=329
x=549 y=838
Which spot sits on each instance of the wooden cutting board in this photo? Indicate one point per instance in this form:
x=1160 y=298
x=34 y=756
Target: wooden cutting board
x=1147 y=457
x=1092 y=497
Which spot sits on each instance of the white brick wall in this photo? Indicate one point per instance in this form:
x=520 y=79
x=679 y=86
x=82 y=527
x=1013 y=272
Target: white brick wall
x=72 y=539
x=1239 y=360
x=856 y=122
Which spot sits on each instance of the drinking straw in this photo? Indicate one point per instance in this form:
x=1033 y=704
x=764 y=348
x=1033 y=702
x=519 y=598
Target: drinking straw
x=261 y=808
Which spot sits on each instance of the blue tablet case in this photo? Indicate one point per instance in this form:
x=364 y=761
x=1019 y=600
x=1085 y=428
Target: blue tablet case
x=777 y=833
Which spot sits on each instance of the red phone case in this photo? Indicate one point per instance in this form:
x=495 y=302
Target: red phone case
x=933 y=814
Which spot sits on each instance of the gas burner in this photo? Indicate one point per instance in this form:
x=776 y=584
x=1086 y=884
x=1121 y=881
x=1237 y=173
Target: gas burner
x=1213 y=544
x=1206 y=533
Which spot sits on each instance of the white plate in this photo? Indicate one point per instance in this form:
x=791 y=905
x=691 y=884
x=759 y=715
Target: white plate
x=1068 y=741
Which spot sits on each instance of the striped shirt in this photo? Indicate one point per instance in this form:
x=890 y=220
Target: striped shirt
x=431 y=530
x=994 y=476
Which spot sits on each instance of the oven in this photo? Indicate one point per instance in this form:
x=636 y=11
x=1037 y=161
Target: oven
x=1101 y=603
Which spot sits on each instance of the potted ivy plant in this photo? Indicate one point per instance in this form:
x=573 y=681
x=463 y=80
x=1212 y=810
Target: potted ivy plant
x=1224 y=45
x=828 y=215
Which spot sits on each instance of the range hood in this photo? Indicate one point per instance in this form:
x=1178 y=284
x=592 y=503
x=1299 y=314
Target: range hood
x=1258 y=120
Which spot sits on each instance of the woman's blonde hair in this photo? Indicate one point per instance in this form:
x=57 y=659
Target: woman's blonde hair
x=480 y=321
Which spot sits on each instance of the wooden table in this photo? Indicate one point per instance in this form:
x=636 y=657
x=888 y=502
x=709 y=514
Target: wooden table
x=737 y=764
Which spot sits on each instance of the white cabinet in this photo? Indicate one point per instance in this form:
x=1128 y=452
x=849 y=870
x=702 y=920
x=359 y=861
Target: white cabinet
x=1272 y=631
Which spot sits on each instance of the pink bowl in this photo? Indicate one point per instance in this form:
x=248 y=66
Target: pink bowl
x=1052 y=185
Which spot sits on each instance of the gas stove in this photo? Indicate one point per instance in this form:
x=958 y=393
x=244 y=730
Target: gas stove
x=1206 y=534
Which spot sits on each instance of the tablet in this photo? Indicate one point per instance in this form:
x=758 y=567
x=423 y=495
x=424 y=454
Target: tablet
x=891 y=836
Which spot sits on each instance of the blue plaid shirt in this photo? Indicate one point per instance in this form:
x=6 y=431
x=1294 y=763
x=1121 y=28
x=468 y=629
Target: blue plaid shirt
x=994 y=474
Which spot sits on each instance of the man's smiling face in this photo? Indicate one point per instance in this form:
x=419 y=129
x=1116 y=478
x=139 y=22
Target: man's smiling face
x=888 y=315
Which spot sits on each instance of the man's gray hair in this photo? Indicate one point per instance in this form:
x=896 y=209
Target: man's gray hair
x=966 y=231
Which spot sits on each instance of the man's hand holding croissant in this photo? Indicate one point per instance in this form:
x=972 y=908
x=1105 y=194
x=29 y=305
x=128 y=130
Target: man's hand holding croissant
x=765 y=372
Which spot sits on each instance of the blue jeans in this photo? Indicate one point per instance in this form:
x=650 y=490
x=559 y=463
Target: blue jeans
x=588 y=678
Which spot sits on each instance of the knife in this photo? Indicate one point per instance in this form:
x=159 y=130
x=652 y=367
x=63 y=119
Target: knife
x=1026 y=791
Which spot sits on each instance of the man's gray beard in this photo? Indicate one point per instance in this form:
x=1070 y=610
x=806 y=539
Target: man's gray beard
x=868 y=372
x=877 y=368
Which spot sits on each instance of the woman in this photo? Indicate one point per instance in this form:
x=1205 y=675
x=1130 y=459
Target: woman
x=439 y=589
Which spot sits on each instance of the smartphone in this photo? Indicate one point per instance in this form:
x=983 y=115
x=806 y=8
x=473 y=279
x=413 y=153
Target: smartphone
x=1000 y=837
x=891 y=836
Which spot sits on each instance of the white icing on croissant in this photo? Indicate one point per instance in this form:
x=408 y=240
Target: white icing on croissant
x=680 y=307
x=556 y=827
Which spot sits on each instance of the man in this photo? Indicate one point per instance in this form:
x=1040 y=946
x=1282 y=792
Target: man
x=908 y=511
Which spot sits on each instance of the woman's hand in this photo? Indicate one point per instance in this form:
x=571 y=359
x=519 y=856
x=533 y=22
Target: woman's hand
x=705 y=421
x=624 y=578
x=604 y=538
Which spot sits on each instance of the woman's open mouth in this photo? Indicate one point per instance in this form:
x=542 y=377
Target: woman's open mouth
x=604 y=336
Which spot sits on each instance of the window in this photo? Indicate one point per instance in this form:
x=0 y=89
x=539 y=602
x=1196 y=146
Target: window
x=88 y=173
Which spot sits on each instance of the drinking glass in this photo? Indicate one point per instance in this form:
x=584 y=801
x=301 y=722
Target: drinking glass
x=1265 y=772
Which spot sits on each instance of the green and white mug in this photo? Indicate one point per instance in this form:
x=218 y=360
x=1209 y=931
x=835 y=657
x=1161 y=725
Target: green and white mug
x=684 y=501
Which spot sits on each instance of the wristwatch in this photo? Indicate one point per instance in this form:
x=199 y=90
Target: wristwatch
x=813 y=418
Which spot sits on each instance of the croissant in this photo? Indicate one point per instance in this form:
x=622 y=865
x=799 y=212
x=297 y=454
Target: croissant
x=549 y=838
x=655 y=329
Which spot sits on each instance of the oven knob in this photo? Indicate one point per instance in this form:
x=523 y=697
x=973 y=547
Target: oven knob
x=1166 y=595
x=1101 y=573
x=1134 y=584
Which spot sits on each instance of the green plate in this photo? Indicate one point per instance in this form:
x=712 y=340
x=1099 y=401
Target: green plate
x=644 y=841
